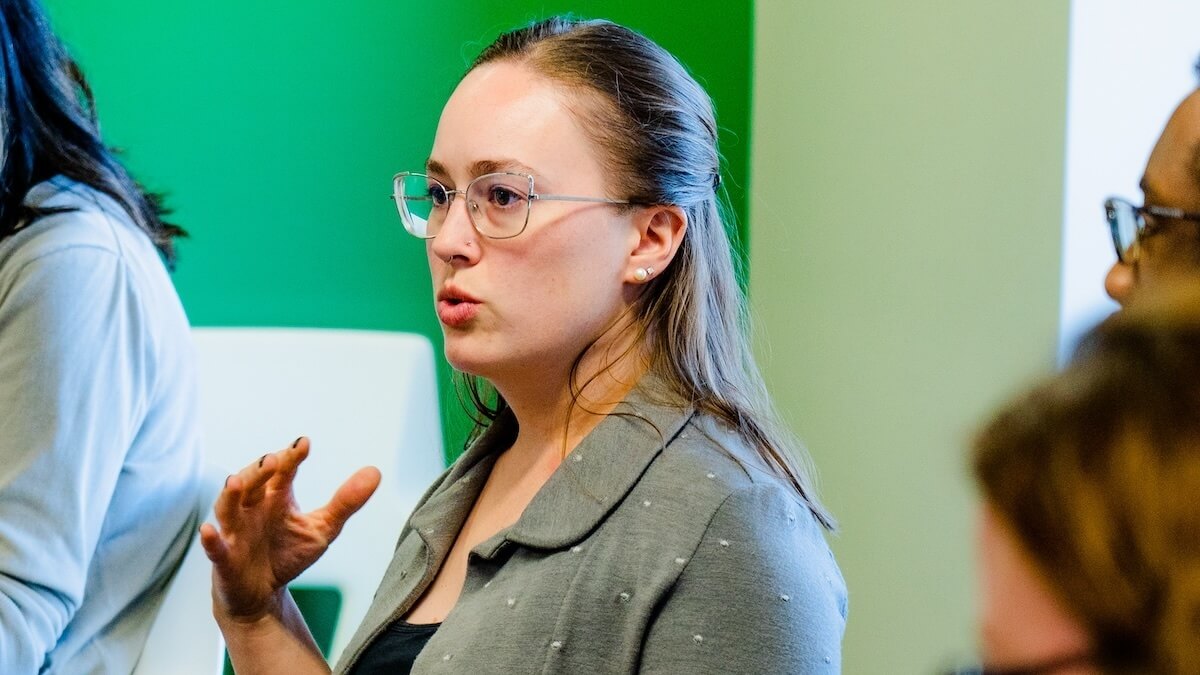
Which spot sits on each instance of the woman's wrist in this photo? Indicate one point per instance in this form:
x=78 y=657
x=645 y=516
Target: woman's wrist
x=273 y=609
x=278 y=635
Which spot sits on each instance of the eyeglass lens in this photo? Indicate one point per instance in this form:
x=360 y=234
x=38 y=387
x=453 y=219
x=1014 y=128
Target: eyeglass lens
x=1125 y=222
x=497 y=204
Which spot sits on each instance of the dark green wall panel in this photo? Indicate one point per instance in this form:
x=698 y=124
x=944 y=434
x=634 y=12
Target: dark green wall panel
x=274 y=128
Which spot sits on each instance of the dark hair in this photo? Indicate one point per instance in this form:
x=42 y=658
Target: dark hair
x=49 y=128
x=656 y=131
x=1097 y=473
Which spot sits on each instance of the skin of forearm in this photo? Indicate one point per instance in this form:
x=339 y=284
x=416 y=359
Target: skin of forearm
x=278 y=642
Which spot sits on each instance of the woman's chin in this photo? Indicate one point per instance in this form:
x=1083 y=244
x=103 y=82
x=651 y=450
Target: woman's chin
x=464 y=361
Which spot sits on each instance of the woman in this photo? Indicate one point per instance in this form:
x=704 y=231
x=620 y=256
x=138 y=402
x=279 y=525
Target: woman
x=99 y=452
x=629 y=503
x=1090 y=536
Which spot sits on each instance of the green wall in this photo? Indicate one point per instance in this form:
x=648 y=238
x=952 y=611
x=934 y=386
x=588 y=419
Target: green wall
x=906 y=215
x=275 y=128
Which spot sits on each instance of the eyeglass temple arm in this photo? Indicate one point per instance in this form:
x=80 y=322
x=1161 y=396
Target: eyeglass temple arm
x=1170 y=212
x=569 y=198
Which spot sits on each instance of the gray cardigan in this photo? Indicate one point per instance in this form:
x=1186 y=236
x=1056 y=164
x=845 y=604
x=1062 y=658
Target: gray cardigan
x=679 y=554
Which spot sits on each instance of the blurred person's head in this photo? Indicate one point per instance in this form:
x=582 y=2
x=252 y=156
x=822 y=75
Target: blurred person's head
x=1159 y=242
x=48 y=126
x=1090 y=530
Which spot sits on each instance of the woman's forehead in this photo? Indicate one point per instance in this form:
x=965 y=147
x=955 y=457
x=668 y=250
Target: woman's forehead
x=506 y=115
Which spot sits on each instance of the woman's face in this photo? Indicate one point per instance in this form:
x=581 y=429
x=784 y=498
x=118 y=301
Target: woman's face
x=1022 y=622
x=525 y=307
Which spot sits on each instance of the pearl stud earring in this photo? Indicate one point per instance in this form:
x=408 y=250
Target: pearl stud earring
x=643 y=273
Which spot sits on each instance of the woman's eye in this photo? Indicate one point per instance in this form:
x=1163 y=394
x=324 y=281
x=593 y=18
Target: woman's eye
x=437 y=193
x=502 y=196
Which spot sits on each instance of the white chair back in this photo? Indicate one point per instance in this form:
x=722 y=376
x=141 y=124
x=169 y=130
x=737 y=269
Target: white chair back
x=362 y=397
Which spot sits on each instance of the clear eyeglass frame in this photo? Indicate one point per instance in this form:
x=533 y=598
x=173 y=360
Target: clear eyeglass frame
x=491 y=213
x=1127 y=223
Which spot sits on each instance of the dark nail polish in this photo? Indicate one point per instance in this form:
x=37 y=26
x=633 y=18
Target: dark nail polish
x=261 y=460
x=297 y=441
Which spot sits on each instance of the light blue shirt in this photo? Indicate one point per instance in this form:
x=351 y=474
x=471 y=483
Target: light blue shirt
x=99 y=449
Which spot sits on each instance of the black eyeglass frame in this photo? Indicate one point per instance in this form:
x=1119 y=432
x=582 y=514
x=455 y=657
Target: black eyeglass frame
x=1112 y=207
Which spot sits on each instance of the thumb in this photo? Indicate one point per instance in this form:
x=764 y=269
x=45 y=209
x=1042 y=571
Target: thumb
x=350 y=497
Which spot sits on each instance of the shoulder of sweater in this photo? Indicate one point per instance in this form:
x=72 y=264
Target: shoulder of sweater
x=706 y=449
x=86 y=218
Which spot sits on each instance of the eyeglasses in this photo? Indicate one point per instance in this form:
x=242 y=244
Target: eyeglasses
x=498 y=204
x=1128 y=223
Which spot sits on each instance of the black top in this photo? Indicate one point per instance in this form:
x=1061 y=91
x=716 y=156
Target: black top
x=394 y=651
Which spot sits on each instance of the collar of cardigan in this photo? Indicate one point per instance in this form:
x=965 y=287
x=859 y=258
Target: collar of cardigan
x=593 y=479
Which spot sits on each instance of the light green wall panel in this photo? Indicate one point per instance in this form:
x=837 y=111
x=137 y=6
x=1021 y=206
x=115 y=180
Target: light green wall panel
x=275 y=127
x=905 y=209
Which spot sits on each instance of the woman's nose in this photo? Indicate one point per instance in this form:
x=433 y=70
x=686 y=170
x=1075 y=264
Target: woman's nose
x=457 y=238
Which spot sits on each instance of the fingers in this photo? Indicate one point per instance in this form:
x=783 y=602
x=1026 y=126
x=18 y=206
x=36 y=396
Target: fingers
x=248 y=487
x=289 y=462
x=273 y=471
x=254 y=478
x=350 y=497
x=228 y=502
x=214 y=546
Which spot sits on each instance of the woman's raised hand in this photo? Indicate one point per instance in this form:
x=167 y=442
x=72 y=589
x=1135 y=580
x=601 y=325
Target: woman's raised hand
x=264 y=540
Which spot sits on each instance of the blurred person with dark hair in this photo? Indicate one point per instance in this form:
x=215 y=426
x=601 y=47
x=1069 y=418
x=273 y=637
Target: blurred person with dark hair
x=99 y=454
x=1090 y=533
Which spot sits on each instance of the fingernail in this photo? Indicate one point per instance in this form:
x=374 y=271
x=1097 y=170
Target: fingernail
x=227 y=479
x=260 y=461
x=297 y=441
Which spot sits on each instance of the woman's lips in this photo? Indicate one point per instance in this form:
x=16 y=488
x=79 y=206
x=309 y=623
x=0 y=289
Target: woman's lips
x=456 y=313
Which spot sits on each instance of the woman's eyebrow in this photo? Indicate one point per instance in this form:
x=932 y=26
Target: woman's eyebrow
x=482 y=166
x=499 y=166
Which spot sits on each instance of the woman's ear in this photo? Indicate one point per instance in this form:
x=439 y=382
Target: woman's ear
x=660 y=231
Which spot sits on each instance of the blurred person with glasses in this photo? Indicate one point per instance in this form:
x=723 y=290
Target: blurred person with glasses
x=1159 y=241
x=629 y=501
x=1089 y=537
